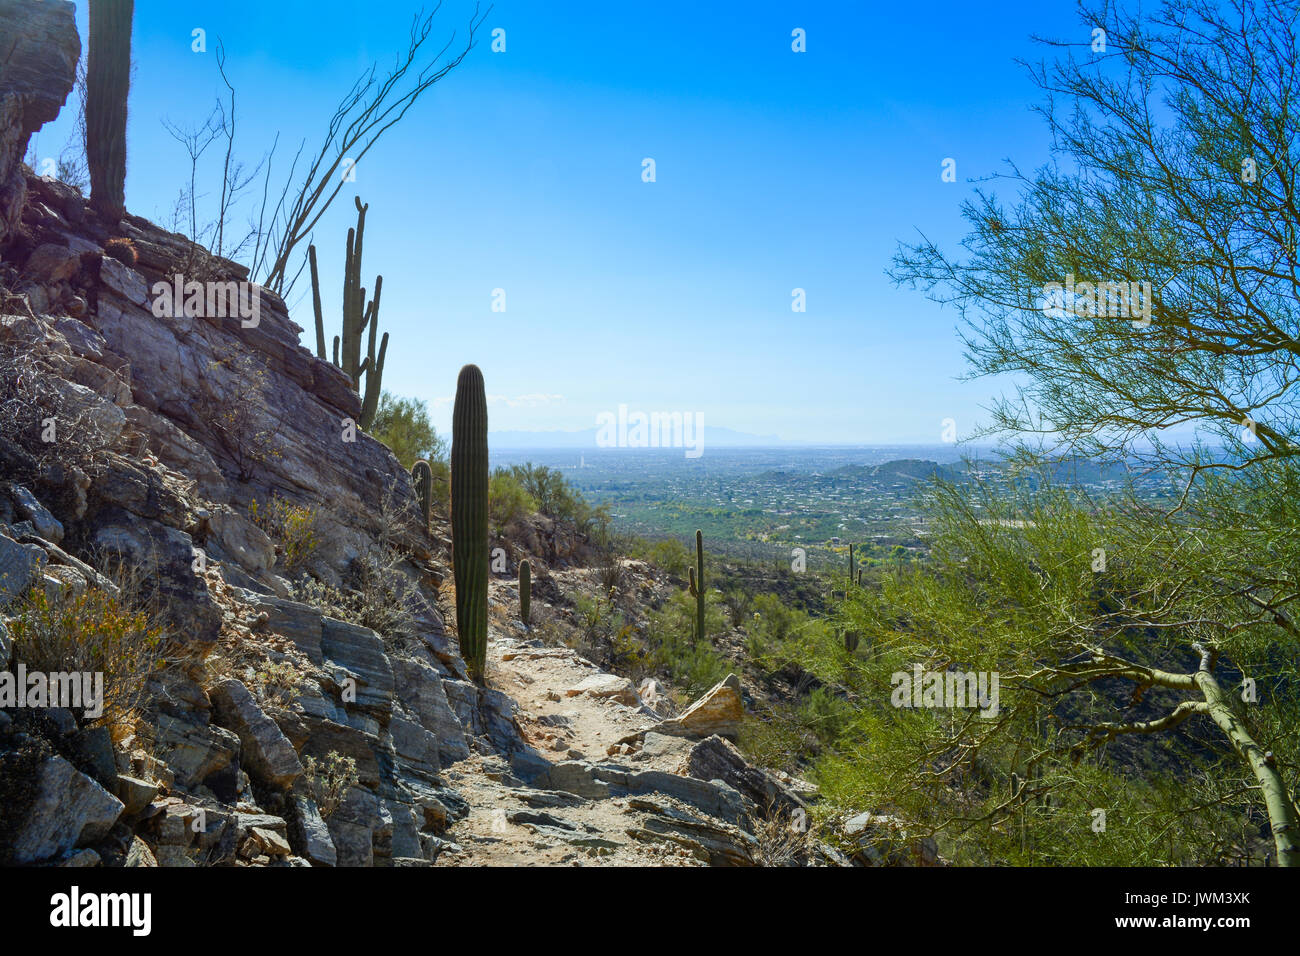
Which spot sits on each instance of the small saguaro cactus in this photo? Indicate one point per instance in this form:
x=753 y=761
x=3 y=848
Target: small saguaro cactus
x=358 y=316
x=469 y=517
x=850 y=564
x=422 y=479
x=108 y=81
x=851 y=639
x=525 y=590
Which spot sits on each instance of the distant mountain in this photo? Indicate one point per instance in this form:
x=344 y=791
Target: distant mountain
x=914 y=469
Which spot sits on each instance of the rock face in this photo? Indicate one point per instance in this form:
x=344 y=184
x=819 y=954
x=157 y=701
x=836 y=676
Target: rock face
x=37 y=72
x=719 y=711
x=266 y=751
x=717 y=759
x=69 y=810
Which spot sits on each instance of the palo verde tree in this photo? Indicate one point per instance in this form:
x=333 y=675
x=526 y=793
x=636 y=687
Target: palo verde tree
x=1141 y=287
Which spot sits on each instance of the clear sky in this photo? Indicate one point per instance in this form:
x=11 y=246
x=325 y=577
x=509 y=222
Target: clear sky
x=522 y=171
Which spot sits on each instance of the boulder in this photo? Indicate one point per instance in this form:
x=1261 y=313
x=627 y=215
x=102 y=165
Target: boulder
x=607 y=687
x=69 y=810
x=194 y=752
x=20 y=567
x=266 y=752
x=311 y=834
x=717 y=759
x=719 y=711
x=28 y=508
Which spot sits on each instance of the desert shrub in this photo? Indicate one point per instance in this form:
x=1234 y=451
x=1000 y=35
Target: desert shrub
x=557 y=498
x=292 y=527
x=693 y=665
x=784 y=839
x=276 y=682
x=610 y=575
x=403 y=425
x=330 y=779
x=49 y=422
x=91 y=631
x=237 y=414
x=508 y=500
x=376 y=593
x=672 y=556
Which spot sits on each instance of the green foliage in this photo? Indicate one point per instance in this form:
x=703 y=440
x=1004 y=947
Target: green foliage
x=292 y=527
x=108 y=83
x=509 y=500
x=694 y=665
x=469 y=517
x=358 y=315
x=1013 y=588
x=670 y=555
x=556 y=498
x=403 y=425
x=90 y=632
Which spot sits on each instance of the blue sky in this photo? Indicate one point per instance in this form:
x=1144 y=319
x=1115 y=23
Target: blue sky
x=522 y=171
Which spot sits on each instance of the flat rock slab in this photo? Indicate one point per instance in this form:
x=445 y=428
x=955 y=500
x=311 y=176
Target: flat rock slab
x=606 y=686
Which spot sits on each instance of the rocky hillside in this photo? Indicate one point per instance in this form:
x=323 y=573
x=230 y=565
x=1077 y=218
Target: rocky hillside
x=197 y=478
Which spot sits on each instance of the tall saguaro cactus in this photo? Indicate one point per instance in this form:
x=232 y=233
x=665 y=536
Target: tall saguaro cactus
x=697 y=585
x=358 y=316
x=469 y=516
x=525 y=590
x=108 y=81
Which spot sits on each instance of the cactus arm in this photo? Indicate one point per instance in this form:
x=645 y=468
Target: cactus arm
x=374 y=382
x=315 y=302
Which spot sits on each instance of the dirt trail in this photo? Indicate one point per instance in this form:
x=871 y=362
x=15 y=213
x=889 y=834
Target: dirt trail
x=571 y=710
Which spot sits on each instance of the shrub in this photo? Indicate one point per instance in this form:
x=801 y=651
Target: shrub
x=292 y=527
x=508 y=500
x=403 y=425
x=330 y=780
x=90 y=632
x=692 y=664
x=672 y=556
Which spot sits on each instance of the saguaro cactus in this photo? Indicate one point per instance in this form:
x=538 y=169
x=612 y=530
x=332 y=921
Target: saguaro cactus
x=697 y=585
x=358 y=315
x=850 y=564
x=525 y=590
x=469 y=516
x=422 y=478
x=108 y=81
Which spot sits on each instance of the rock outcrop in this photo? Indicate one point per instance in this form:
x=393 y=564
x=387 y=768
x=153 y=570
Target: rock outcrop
x=38 y=67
